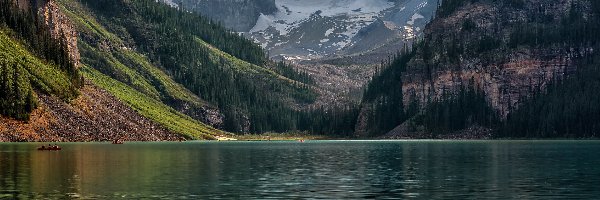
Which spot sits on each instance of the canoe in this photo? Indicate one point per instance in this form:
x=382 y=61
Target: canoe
x=49 y=149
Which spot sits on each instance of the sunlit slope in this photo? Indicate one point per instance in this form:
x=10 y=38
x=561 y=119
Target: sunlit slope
x=132 y=78
x=151 y=108
x=23 y=74
x=189 y=63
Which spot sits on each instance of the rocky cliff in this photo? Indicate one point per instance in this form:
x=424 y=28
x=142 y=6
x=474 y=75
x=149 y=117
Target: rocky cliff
x=506 y=74
x=58 y=23
x=507 y=50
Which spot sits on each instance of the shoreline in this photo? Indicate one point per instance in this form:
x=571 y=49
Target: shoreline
x=313 y=139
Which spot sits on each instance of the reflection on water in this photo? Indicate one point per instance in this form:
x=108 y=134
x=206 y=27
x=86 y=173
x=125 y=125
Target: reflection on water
x=320 y=169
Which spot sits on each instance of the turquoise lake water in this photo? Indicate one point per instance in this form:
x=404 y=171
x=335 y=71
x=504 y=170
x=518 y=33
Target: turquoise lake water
x=313 y=169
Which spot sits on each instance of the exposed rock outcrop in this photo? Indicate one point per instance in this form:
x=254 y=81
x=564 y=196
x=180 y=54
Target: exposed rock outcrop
x=58 y=23
x=506 y=75
x=206 y=114
x=494 y=45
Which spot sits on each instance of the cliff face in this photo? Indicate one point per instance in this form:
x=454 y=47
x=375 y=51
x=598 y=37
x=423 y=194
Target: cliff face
x=59 y=24
x=506 y=75
x=508 y=50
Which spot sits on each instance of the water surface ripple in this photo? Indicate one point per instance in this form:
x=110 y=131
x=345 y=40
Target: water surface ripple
x=313 y=169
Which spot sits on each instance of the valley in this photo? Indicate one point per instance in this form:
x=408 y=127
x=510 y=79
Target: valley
x=299 y=99
x=339 y=42
x=170 y=70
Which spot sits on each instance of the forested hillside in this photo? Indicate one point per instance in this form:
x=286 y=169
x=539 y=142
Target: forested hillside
x=503 y=68
x=31 y=61
x=521 y=68
x=195 y=67
x=188 y=75
x=43 y=96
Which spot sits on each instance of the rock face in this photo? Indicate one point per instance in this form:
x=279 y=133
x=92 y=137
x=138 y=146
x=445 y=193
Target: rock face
x=58 y=23
x=506 y=75
x=206 y=114
x=475 y=43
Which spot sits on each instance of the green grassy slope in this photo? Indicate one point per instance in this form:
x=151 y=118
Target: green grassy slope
x=23 y=74
x=240 y=65
x=151 y=108
x=125 y=65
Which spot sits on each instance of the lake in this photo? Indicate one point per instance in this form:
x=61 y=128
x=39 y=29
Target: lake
x=313 y=169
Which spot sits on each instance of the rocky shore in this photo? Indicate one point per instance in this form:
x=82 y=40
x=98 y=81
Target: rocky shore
x=94 y=116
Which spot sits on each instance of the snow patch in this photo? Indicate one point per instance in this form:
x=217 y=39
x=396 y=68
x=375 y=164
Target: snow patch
x=329 y=32
x=169 y=2
x=414 y=18
x=291 y=13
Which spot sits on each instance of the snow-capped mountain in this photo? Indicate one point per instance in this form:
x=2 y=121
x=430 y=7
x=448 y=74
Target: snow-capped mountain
x=309 y=29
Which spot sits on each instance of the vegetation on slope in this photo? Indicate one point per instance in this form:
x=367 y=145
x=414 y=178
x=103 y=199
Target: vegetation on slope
x=458 y=112
x=39 y=63
x=384 y=96
x=132 y=78
x=571 y=107
x=568 y=108
x=126 y=47
x=214 y=64
x=111 y=57
x=151 y=108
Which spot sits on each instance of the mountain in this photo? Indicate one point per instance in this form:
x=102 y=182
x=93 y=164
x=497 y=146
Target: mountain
x=493 y=66
x=301 y=30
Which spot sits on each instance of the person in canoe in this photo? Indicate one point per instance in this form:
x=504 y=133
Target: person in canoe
x=50 y=148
